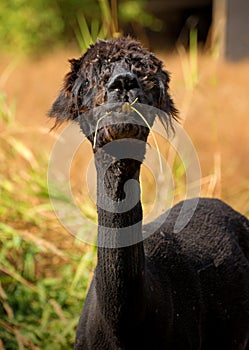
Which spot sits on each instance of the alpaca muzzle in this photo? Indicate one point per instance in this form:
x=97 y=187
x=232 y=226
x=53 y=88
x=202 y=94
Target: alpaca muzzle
x=124 y=87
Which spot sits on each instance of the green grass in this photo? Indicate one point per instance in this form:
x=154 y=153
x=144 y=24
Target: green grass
x=43 y=279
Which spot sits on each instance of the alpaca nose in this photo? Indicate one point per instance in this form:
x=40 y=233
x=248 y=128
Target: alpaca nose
x=123 y=82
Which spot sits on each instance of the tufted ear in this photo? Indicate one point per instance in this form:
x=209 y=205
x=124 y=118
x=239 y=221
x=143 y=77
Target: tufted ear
x=63 y=108
x=166 y=103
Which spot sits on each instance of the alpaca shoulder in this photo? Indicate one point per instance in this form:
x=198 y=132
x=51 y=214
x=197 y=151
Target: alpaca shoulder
x=212 y=224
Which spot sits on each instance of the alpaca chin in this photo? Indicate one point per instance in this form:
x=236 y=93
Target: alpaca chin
x=116 y=121
x=115 y=132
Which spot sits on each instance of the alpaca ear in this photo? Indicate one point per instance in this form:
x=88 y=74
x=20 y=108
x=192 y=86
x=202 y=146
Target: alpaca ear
x=63 y=107
x=166 y=103
x=60 y=109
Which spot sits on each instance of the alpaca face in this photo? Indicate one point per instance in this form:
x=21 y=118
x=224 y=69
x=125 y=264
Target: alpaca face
x=103 y=84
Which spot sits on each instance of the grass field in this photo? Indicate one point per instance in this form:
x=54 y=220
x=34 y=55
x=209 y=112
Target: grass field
x=44 y=270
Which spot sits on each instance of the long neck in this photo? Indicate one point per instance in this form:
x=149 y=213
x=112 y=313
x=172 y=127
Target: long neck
x=120 y=268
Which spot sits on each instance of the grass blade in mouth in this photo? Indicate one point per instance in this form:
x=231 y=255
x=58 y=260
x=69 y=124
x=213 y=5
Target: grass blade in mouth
x=96 y=129
x=152 y=133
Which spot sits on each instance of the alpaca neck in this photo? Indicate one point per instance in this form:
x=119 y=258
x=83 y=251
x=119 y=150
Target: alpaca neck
x=120 y=268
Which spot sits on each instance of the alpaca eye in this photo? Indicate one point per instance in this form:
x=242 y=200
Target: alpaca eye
x=86 y=83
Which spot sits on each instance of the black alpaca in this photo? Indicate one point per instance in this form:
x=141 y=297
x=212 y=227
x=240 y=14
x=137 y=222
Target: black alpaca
x=185 y=290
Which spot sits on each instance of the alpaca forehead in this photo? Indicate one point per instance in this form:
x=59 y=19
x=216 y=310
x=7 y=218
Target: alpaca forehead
x=112 y=49
x=118 y=54
x=102 y=67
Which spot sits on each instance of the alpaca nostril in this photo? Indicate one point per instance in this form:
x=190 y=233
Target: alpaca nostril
x=124 y=82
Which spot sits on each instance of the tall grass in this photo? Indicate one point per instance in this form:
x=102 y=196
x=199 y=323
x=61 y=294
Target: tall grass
x=42 y=285
x=106 y=27
x=211 y=185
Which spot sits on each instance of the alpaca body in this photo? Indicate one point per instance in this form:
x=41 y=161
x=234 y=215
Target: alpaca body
x=196 y=288
x=154 y=287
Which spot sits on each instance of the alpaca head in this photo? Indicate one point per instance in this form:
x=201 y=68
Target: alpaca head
x=103 y=84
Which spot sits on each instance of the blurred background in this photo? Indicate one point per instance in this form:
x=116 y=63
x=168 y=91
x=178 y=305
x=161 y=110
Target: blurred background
x=45 y=271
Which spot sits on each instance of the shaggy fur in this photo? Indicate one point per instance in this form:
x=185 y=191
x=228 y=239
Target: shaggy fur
x=173 y=290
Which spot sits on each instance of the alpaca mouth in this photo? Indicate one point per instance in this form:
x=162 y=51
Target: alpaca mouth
x=114 y=132
x=123 y=121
